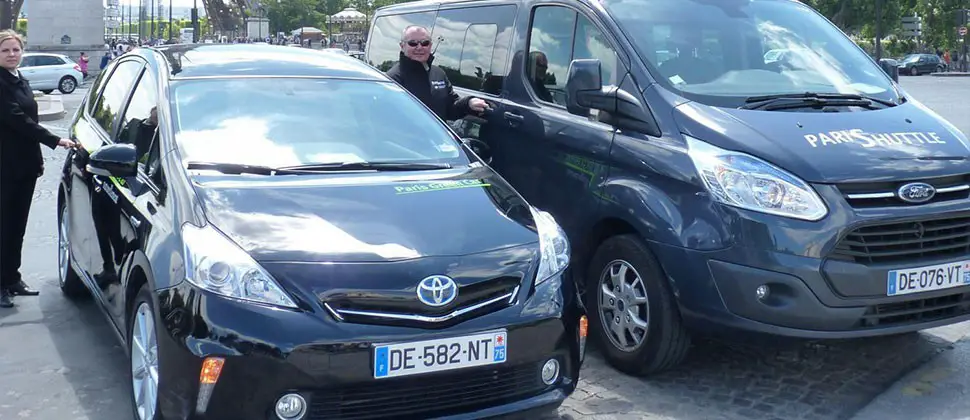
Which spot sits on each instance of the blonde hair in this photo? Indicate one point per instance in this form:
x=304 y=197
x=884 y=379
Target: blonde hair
x=10 y=34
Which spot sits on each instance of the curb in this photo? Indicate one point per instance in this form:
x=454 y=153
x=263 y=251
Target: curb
x=50 y=108
x=951 y=74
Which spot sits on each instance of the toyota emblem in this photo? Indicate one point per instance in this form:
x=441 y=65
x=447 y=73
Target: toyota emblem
x=437 y=291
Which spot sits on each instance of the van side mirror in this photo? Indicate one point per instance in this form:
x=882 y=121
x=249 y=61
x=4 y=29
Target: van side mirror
x=117 y=160
x=585 y=91
x=584 y=88
x=891 y=67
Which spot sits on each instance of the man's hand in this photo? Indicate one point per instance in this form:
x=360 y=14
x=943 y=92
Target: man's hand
x=478 y=105
x=67 y=143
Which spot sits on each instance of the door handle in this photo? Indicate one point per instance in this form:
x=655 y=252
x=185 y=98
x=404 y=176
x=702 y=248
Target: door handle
x=134 y=221
x=98 y=183
x=514 y=119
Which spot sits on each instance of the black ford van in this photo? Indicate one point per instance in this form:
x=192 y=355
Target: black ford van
x=718 y=165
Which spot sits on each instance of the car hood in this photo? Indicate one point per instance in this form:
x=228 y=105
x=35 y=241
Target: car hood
x=372 y=217
x=905 y=141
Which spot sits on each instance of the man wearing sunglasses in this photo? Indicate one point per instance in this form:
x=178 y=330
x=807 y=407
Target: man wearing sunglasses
x=427 y=82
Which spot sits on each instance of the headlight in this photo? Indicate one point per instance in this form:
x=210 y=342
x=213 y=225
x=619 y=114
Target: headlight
x=744 y=181
x=215 y=263
x=553 y=246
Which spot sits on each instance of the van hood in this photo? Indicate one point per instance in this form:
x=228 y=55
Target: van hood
x=372 y=217
x=906 y=141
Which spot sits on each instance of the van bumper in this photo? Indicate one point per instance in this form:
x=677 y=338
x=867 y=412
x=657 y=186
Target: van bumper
x=717 y=291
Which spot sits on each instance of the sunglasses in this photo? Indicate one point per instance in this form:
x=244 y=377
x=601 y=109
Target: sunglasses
x=414 y=43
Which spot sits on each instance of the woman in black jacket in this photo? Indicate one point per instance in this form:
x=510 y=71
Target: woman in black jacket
x=21 y=163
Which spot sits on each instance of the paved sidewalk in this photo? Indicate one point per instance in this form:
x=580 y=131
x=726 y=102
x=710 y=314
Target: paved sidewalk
x=937 y=390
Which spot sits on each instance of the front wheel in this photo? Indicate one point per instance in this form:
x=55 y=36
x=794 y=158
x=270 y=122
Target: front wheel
x=66 y=85
x=914 y=71
x=69 y=281
x=634 y=314
x=143 y=357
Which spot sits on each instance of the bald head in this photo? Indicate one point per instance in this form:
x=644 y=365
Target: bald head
x=416 y=43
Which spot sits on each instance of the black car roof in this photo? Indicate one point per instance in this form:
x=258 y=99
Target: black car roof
x=253 y=60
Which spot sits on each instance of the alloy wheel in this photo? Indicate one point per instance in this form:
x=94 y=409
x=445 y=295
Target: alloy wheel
x=68 y=85
x=64 y=246
x=624 y=306
x=144 y=362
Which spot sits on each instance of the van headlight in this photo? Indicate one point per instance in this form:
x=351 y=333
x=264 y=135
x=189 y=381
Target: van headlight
x=215 y=263
x=741 y=180
x=553 y=246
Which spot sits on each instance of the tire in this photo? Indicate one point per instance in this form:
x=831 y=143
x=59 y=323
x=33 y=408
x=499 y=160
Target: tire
x=914 y=71
x=940 y=69
x=67 y=85
x=148 y=339
x=664 y=342
x=68 y=279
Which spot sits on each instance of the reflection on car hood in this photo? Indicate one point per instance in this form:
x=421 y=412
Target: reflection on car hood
x=367 y=217
x=906 y=141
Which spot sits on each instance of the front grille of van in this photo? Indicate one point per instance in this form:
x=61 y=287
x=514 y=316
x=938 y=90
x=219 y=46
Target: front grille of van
x=884 y=194
x=916 y=311
x=906 y=242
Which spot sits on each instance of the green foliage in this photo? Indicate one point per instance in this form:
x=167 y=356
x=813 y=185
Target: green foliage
x=858 y=18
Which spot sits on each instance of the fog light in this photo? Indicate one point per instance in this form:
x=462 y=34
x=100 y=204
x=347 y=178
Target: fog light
x=762 y=292
x=291 y=407
x=550 y=371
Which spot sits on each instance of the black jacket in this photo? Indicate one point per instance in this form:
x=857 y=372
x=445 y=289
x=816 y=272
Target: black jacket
x=20 y=133
x=431 y=86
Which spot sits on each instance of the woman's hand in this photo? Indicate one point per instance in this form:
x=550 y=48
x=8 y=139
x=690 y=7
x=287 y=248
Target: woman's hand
x=67 y=143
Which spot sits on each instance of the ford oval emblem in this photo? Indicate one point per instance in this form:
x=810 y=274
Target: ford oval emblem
x=437 y=291
x=916 y=192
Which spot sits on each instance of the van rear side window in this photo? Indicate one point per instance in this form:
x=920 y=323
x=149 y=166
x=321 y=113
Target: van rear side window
x=383 y=49
x=473 y=46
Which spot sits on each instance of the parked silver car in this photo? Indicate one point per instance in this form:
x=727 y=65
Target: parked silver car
x=47 y=72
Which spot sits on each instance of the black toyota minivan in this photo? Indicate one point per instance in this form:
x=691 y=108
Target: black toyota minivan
x=281 y=233
x=720 y=166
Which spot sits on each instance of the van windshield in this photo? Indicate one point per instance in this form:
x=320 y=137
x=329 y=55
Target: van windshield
x=719 y=52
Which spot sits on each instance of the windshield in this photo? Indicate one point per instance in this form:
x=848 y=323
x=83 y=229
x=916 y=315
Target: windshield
x=911 y=58
x=719 y=52
x=279 y=122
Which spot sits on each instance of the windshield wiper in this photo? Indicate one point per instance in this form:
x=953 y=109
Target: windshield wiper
x=369 y=166
x=811 y=99
x=238 y=168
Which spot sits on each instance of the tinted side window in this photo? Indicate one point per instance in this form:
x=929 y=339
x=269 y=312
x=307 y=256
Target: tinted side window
x=472 y=46
x=96 y=87
x=591 y=43
x=140 y=122
x=115 y=91
x=384 y=44
x=550 y=52
x=47 y=60
x=28 y=61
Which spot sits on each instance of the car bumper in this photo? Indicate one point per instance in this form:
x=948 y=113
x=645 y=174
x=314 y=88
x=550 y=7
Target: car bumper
x=269 y=353
x=816 y=294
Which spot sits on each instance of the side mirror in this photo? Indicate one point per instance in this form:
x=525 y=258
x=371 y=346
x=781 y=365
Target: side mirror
x=584 y=88
x=119 y=160
x=479 y=148
x=891 y=67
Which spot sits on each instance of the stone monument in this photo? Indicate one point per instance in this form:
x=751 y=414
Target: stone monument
x=67 y=27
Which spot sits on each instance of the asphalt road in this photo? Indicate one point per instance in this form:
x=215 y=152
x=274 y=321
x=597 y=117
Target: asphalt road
x=59 y=359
